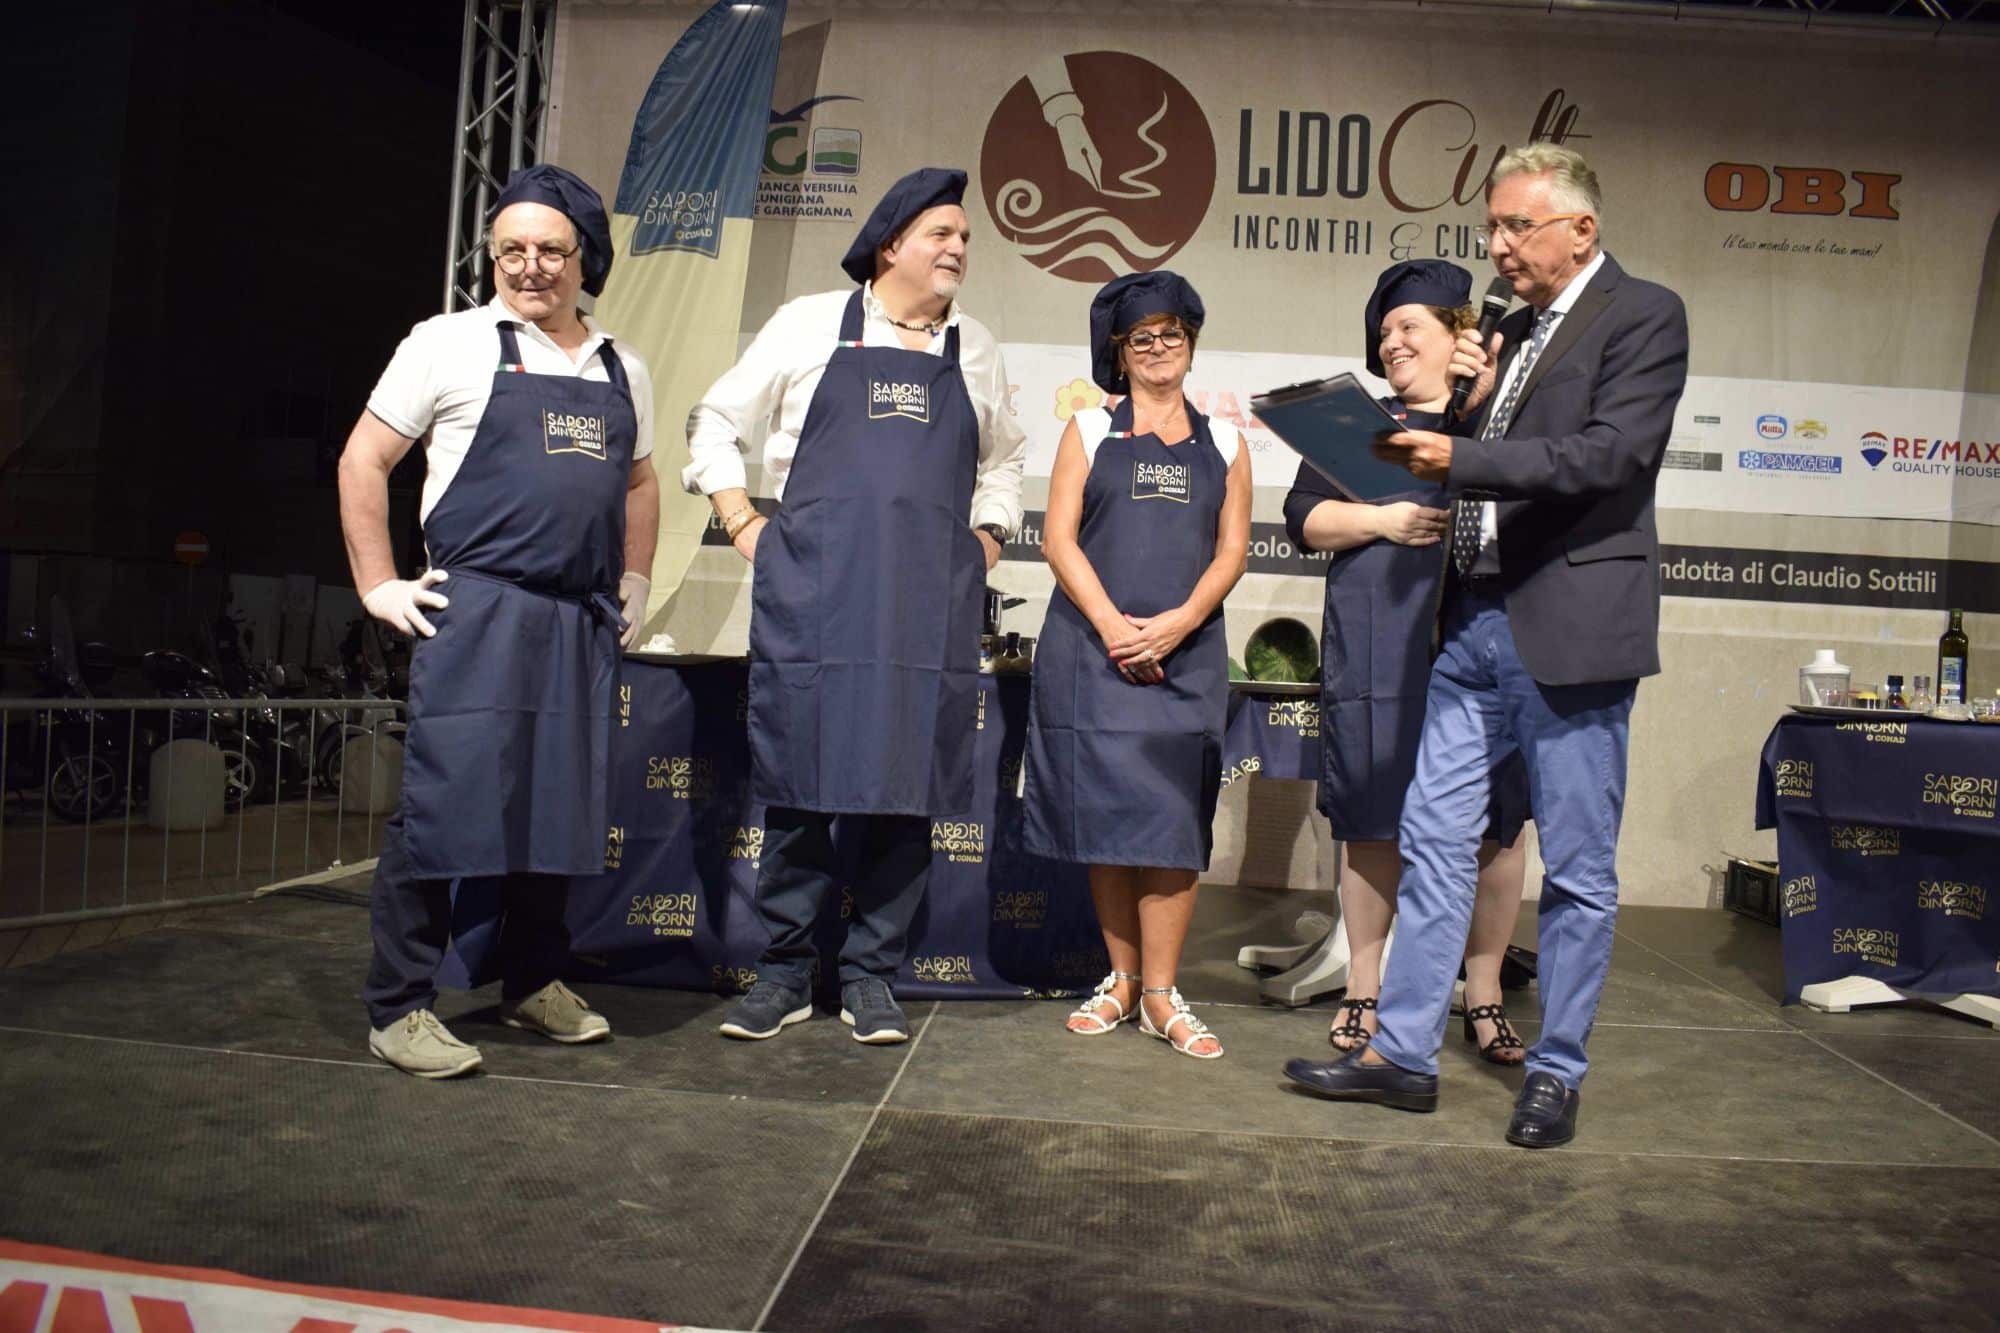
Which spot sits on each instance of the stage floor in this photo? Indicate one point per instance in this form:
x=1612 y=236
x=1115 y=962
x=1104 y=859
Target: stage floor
x=200 y=1094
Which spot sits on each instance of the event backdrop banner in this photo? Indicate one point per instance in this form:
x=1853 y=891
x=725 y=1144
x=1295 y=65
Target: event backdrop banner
x=681 y=231
x=1832 y=244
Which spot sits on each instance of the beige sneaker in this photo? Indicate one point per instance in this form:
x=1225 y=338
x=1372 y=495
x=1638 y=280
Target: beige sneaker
x=418 y=1044
x=558 y=1013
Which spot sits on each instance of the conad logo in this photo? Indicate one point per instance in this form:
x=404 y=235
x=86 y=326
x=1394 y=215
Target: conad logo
x=1096 y=165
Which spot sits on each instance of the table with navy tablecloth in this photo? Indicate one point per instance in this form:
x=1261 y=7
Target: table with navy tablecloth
x=1888 y=857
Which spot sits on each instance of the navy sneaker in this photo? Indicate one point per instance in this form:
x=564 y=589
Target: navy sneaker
x=868 y=1007
x=768 y=1009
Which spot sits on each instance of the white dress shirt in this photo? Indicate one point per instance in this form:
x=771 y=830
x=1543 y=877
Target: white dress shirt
x=762 y=401
x=1488 y=561
x=441 y=377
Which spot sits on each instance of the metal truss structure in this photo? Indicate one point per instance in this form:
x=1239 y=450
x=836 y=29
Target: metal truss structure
x=503 y=103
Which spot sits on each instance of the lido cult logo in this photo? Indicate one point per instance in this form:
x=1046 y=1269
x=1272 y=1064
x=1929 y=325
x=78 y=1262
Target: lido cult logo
x=1771 y=426
x=1874 y=448
x=1091 y=190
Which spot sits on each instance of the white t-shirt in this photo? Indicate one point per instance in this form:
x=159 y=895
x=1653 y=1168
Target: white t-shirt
x=762 y=400
x=1093 y=427
x=442 y=374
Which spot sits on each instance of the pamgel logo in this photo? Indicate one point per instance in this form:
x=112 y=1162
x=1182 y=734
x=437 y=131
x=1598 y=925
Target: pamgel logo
x=1771 y=460
x=567 y=433
x=1771 y=426
x=888 y=398
x=1097 y=164
x=1161 y=481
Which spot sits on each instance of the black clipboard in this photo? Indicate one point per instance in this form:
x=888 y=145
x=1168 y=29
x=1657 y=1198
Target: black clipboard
x=1332 y=424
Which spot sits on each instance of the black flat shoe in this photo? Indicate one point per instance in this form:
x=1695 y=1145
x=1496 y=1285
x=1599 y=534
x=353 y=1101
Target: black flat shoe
x=1505 y=1043
x=1348 y=1080
x=1545 y=1114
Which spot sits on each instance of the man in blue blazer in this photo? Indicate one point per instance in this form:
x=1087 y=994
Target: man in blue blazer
x=1551 y=616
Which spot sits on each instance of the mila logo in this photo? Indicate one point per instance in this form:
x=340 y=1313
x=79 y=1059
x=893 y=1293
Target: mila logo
x=890 y=398
x=567 y=433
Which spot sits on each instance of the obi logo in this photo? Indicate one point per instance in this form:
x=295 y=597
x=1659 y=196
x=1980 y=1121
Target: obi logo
x=1874 y=448
x=1872 y=945
x=1771 y=426
x=1097 y=164
x=1799 y=896
x=1744 y=187
x=888 y=398
x=669 y=914
x=1161 y=481
x=679 y=220
x=567 y=433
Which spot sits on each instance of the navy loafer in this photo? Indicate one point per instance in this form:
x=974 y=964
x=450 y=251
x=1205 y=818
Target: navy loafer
x=1349 y=1080
x=1545 y=1114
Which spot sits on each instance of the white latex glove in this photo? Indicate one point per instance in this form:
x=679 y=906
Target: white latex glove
x=395 y=602
x=633 y=589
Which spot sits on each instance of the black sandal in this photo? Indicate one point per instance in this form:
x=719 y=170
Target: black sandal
x=1357 y=1035
x=1503 y=1039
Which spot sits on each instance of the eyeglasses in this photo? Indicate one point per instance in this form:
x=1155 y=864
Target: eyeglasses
x=1143 y=340
x=514 y=262
x=1519 y=229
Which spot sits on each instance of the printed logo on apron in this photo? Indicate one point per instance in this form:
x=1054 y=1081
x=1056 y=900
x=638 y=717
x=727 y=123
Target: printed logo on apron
x=890 y=398
x=1161 y=481
x=569 y=433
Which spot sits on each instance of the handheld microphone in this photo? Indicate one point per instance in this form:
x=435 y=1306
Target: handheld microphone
x=1492 y=309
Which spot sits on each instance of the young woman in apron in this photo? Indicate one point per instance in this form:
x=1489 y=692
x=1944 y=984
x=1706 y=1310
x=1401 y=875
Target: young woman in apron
x=1148 y=530
x=1383 y=587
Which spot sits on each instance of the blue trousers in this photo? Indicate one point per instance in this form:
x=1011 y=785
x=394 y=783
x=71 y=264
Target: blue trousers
x=1482 y=705
x=796 y=877
x=410 y=919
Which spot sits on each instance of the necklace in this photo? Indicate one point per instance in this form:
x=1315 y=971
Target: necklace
x=931 y=329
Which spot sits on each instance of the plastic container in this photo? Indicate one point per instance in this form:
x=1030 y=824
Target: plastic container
x=1822 y=680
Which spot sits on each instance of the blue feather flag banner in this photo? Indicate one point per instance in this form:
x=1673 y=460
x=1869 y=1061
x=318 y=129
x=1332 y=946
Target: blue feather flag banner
x=681 y=230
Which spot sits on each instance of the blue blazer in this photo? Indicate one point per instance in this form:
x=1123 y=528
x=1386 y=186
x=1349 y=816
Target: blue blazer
x=1574 y=477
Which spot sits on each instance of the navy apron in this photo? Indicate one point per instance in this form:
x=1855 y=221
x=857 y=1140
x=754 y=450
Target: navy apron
x=1119 y=773
x=866 y=605
x=1375 y=669
x=506 y=762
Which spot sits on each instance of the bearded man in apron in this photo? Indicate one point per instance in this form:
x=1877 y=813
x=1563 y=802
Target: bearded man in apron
x=883 y=417
x=540 y=513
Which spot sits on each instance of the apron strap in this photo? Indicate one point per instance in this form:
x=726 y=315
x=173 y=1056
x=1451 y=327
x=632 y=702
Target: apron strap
x=614 y=367
x=510 y=352
x=850 y=330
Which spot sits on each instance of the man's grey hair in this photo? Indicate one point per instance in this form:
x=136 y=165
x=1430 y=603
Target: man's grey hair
x=1573 y=188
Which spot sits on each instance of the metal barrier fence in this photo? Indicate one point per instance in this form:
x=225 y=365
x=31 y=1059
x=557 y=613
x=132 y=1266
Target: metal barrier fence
x=77 y=771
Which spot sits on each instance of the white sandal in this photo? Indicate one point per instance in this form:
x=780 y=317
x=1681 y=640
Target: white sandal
x=1196 y=1029
x=1103 y=993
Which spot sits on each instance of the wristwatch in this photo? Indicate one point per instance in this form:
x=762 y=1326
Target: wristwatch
x=996 y=532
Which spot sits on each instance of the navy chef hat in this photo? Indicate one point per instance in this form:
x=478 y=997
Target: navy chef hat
x=1412 y=282
x=1123 y=302
x=926 y=187
x=570 y=195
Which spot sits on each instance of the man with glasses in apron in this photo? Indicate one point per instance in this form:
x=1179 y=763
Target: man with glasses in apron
x=540 y=513
x=886 y=433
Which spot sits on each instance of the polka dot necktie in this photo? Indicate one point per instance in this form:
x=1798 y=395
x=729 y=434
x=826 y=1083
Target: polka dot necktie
x=1465 y=518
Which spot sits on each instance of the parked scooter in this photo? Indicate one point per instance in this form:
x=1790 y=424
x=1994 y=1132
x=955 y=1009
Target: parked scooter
x=76 y=755
x=245 y=760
